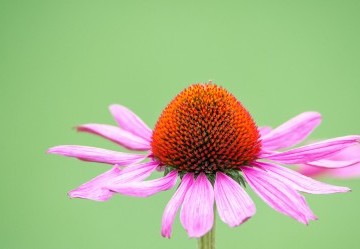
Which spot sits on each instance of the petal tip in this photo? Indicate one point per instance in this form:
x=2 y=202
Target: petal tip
x=50 y=151
x=306 y=220
x=72 y=195
x=86 y=127
x=197 y=234
x=317 y=114
x=166 y=234
x=79 y=128
x=53 y=150
x=114 y=106
x=240 y=222
x=343 y=190
x=303 y=221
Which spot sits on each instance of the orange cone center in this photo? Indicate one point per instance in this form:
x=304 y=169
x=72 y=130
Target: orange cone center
x=205 y=129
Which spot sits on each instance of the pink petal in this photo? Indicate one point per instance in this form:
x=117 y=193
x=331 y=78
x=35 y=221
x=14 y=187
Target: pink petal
x=292 y=132
x=197 y=211
x=344 y=158
x=117 y=135
x=130 y=122
x=174 y=204
x=332 y=164
x=278 y=195
x=313 y=152
x=264 y=130
x=344 y=164
x=348 y=172
x=343 y=173
x=350 y=153
x=233 y=203
x=298 y=181
x=146 y=188
x=310 y=171
x=93 y=154
x=134 y=173
x=94 y=189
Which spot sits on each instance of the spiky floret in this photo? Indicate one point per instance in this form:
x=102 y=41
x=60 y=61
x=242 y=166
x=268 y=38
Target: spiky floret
x=205 y=129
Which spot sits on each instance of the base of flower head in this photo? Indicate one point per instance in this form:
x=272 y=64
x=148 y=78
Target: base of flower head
x=234 y=174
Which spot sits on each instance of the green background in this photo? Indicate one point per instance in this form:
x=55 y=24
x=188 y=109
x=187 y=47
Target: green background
x=63 y=62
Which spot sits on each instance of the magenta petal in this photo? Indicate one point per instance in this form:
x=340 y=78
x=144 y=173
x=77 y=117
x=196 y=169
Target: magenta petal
x=347 y=172
x=135 y=172
x=344 y=158
x=298 y=181
x=93 y=154
x=350 y=153
x=292 y=132
x=344 y=164
x=130 y=122
x=197 y=211
x=332 y=164
x=233 y=204
x=174 y=204
x=145 y=188
x=310 y=171
x=94 y=189
x=313 y=152
x=117 y=135
x=278 y=195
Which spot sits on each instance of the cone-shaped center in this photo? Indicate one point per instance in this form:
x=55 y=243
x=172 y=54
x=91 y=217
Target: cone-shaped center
x=205 y=128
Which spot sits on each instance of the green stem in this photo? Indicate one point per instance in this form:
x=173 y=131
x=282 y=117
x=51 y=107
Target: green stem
x=208 y=240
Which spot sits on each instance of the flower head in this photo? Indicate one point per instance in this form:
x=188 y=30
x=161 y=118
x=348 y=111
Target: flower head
x=205 y=129
x=206 y=137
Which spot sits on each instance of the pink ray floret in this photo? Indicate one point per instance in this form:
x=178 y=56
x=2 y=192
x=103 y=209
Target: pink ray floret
x=344 y=164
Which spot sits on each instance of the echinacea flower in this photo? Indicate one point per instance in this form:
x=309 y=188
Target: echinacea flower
x=209 y=140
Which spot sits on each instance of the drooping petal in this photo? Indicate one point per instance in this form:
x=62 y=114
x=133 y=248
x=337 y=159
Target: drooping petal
x=349 y=156
x=130 y=122
x=93 y=154
x=310 y=171
x=348 y=172
x=300 y=182
x=174 y=204
x=344 y=164
x=197 y=211
x=94 y=189
x=117 y=135
x=313 y=152
x=278 y=195
x=134 y=173
x=264 y=130
x=145 y=188
x=352 y=171
x=292 y=132
x=233 y=203
x=332 y=164
x=350 y=153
